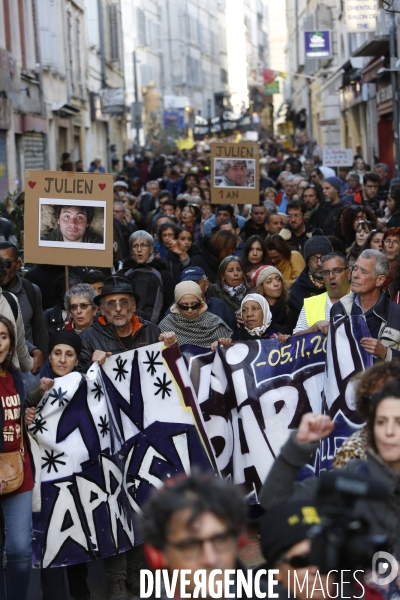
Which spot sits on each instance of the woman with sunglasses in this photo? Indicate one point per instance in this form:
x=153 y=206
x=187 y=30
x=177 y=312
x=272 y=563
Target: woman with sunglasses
x=382 y=462
x=78 y=302
x=191 y=321
x=363 y=230
x=391 y=247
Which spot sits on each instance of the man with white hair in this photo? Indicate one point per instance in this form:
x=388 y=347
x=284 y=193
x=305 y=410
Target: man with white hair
x=368 y=298
x=290 y=188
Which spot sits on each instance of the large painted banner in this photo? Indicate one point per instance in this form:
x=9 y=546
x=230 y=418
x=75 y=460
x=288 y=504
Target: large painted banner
x=254 y=393
x=106 y=442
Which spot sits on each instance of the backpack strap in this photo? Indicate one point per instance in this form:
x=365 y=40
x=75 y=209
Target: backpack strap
x=13 y=304
x=30 y=292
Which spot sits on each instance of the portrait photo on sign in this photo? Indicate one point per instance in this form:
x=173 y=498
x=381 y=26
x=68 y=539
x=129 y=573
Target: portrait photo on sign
x=234 y=172
x=72 y=223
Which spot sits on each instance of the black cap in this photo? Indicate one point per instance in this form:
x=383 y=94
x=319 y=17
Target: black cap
x=286 y=525
x=116 y=285
x=69 y=338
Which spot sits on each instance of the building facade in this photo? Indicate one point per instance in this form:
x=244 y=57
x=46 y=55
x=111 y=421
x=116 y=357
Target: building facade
x=58 y=57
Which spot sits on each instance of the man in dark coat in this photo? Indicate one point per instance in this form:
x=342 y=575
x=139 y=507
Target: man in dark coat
x=310 y=282
x=117 y=330
x=328 y=211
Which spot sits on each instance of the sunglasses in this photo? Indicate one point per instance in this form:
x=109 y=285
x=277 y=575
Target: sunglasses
x=189 y=306
x=82 y=305
x=8 y=263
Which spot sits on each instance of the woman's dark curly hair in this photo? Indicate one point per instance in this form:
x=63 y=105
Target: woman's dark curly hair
x=89 y=210
x=344 y=227
x=197 y=494
x=346 y=217
x=246 y=249
x=391 y=389
x=370 y=382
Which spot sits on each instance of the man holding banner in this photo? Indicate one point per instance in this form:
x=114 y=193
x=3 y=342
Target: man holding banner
x=116 y=331
x=316 y=310
x=368 y=298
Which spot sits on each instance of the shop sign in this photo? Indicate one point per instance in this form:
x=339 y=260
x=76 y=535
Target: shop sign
x=317 y=44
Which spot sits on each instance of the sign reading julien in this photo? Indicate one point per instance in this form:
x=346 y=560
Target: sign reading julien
x=235 y=173
x=71 y=213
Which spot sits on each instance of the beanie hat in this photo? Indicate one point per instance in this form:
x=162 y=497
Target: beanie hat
x=317 y=244
x=262 y=273
x=69 y=338
x=284 y=526
x=335 y=182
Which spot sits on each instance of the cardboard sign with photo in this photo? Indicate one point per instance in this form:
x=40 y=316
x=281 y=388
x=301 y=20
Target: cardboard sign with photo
x=235 y=173
x=71 y=213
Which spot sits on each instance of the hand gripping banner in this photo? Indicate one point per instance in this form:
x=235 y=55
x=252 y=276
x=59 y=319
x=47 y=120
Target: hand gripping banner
x=106 y=442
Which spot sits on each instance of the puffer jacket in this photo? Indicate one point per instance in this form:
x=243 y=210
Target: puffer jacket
x=281 y=486
x=387 y=311
x=103 y=337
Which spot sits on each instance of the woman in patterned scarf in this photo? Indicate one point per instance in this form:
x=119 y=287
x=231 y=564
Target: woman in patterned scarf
x=191 y=321
x=231 y=285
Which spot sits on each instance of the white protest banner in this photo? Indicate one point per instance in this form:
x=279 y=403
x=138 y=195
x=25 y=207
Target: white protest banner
x=342 y=157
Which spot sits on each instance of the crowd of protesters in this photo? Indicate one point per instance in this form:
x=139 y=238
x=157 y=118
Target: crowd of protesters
x=318 y=243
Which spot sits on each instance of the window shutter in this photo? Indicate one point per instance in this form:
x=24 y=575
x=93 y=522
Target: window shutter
x=92 y=20
x=113 y=27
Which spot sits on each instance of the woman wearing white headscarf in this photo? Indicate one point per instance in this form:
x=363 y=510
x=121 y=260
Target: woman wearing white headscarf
x=257 y=320
x=192 y=322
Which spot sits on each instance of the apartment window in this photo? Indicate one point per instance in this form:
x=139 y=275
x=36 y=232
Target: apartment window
x=224 y=76
x=70 y=50
x=114 y=38
x=141 y=26
x=78 y=53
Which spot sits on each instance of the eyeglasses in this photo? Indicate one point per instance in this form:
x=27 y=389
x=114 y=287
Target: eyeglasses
x=82 y=305
x=391 y=243
x=137 y=246
x=335 y=271
x=189 y=306
x=192 y=548
x=8 y=262
x=112 y=304
x=315 y=259
x=300 y=561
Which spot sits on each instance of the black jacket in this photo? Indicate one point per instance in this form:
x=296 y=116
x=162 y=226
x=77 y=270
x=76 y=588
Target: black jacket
x=103 y=337
x=207 y=260
x=302 y=288
x=281 y=486
x=174 y=267
x=167 y=280
x=44 y=276
x=297 y=242
x=326 y=214
x=53 y=319
x=248 y=230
